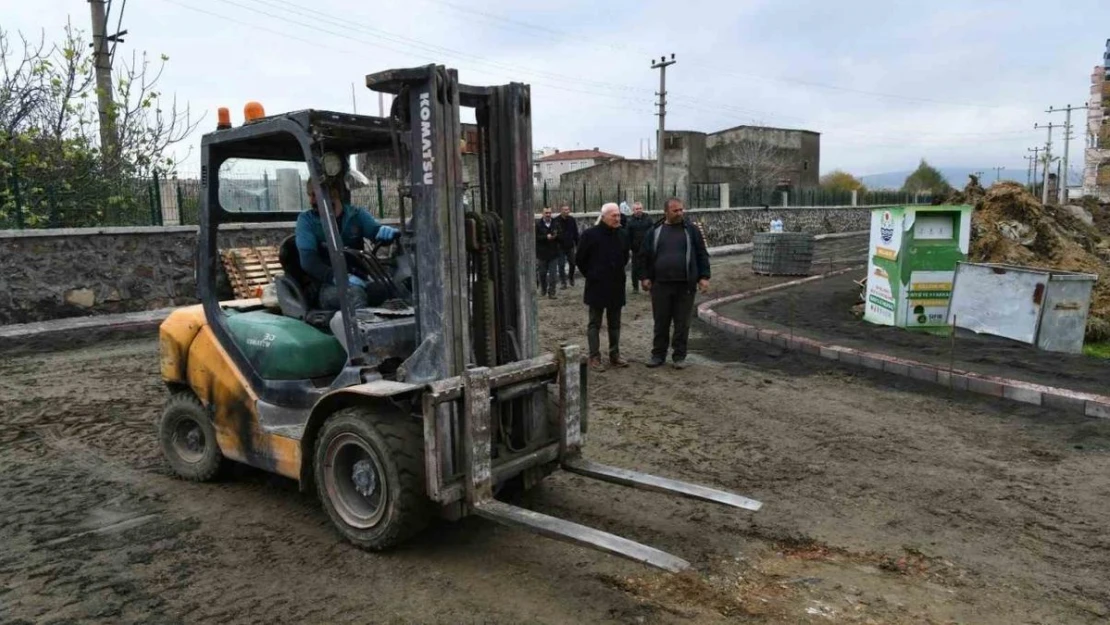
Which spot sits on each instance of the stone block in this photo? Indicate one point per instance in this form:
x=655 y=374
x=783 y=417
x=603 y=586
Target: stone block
x=924 y=373
x=831 y=354
x=850 y=357
x=1064 y=402
x=984 y=387
x=1022 y=394
x=896 y=368
x=82 y=298
x=871 y=362
x=955 y=380
x=1098 y=409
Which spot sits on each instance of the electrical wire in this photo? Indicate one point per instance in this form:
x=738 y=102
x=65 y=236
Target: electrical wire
x=720 y=111
x=115 y=40
x=515 y=24
x=676 y=101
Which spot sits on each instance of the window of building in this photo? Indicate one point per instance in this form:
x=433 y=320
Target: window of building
x=805 y=165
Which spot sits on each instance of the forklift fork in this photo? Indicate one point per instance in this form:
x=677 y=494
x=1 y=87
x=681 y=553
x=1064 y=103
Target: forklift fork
x=479 y=473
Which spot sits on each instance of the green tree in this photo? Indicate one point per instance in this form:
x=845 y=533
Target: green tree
x=841 y=181
x=926 y=179
x=52 y=172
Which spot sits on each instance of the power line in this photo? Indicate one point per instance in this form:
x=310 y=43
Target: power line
x=681 y=101
x=119 y=33
x=716 y=70
x=718 y=110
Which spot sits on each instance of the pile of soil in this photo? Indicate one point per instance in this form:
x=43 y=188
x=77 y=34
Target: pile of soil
x=1011 y=226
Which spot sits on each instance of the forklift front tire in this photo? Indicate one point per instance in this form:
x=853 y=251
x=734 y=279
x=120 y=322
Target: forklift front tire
x=369 y=472
x=188 y=438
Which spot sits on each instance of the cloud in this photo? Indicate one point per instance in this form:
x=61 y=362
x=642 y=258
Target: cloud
x=885 y=82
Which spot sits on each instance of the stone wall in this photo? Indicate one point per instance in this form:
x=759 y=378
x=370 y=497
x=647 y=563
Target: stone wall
x=50 y=274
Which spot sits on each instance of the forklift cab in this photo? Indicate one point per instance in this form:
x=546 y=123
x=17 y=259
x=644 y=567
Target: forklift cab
x=322 y=143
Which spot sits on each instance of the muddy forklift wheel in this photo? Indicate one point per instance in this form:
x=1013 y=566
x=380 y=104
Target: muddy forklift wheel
x=369 y=471
x=188 y=439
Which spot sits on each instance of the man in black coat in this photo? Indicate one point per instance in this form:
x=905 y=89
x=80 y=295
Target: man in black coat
x=568 y=240
x=547 y=252
x=602 y=255
x=638 y=226
x=675 y=262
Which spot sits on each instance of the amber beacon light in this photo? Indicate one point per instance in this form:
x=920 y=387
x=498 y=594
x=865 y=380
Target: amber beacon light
x=253 y=112
x=224 y=118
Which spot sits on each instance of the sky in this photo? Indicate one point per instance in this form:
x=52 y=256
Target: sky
x=885 y=82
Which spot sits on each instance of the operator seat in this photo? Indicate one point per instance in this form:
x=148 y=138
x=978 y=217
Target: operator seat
x=296 y=293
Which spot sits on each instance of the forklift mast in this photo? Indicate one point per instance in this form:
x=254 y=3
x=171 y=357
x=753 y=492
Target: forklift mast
x=474 y=309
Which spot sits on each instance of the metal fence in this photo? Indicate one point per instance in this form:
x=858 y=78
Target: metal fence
x=78 y=204
x=176 y=200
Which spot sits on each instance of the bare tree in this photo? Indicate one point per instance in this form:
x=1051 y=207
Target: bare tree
x=147 y=127
x=21 y=83
x=755 y=158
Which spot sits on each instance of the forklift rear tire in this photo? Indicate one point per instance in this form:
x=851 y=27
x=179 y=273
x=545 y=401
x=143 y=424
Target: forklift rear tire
x=188 y=439
x=369 y=471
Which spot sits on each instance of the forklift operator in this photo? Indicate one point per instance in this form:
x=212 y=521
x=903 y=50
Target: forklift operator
x=355 y=224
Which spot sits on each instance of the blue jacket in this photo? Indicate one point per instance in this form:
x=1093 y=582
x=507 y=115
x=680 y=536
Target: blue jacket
x=356 y=224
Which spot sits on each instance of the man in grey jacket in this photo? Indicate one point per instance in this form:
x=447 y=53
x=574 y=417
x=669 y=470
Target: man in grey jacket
x=674 y=263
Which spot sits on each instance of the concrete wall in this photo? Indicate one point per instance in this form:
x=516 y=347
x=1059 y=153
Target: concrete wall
x=50 y=274
x=632 y=174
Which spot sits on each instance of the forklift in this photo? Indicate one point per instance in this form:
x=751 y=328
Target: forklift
x=433 y=403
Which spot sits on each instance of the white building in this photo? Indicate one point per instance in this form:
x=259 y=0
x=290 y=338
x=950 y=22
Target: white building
x=551 y=167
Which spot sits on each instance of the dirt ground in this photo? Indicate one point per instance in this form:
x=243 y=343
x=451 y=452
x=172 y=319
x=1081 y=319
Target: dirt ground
x=886 y=501
x=823 y=310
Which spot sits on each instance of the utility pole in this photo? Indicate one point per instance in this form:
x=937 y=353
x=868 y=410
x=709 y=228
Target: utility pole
x=1063 y=186
x=1028 y=170
x=662 y=67
x=997 y=172
x=1047 y=158
x=1036 y=167
x=109 y=140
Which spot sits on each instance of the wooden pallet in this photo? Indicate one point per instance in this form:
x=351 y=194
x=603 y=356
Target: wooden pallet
x=251 y=268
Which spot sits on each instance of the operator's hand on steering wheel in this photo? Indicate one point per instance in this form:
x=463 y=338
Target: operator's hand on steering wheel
x=387 y=234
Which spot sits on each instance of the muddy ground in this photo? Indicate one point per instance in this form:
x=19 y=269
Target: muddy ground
x=822 y=310
x=886 y=501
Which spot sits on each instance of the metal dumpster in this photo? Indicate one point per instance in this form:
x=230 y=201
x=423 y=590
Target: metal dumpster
x=1042 y=307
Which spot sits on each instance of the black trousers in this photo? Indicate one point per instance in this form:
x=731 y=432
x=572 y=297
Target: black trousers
x=672 y=303
x=593 y=330
x=566 y=257
x=637 y=272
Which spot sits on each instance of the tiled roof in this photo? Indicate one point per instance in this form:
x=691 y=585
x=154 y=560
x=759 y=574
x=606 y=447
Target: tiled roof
x=576 y=155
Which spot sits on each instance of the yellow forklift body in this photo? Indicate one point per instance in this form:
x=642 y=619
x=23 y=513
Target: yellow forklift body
x=192 y=356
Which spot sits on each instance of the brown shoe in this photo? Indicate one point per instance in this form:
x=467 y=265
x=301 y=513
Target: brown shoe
x=595 y=363
x=617 y=361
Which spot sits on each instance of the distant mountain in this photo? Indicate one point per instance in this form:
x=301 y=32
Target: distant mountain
x=956 y=176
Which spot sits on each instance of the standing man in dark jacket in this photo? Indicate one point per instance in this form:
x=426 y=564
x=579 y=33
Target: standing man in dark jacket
x=675 y=262
x=638 y=225
x=602 y=256
x=547 y=252
x=568 y=240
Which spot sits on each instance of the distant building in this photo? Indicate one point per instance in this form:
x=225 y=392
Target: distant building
x=1096 y=158
x=751 y=156
x=553 y=166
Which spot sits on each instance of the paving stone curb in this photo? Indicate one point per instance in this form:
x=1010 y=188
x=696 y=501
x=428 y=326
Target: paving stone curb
x=1063 y=399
